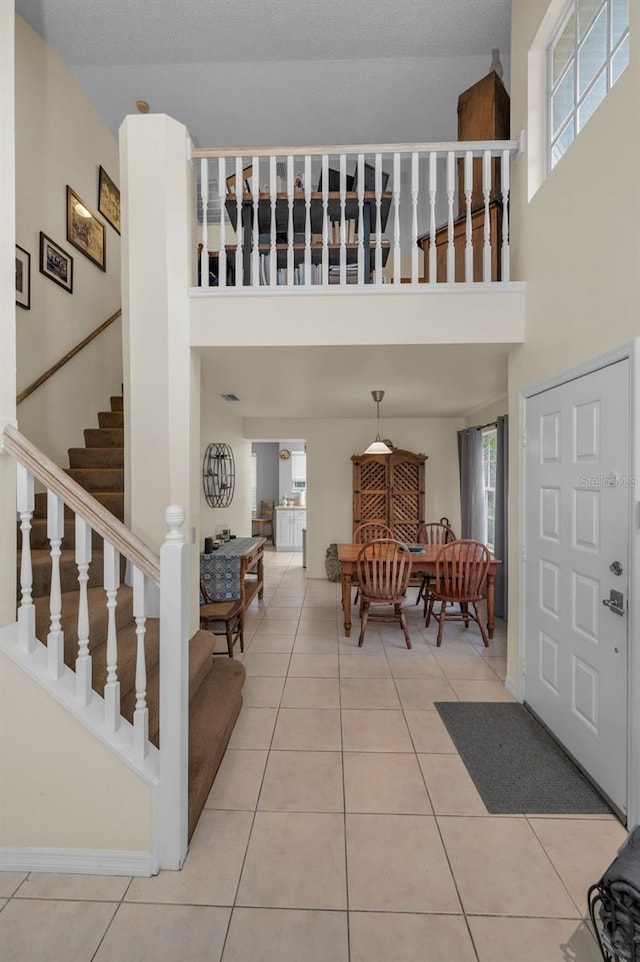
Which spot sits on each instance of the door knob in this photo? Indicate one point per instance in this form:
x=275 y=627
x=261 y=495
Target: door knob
x=616 y=568
x=615 y=602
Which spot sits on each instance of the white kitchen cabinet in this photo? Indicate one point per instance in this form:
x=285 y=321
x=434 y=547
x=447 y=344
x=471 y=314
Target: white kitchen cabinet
x=289 y=525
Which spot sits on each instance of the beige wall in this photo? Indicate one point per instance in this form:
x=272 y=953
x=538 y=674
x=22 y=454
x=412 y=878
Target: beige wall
x=8 y=311
x=577 y=245
x=488 y=412
x=61 y=140
x=59 y=786
x=220 y=423
x=330 y=444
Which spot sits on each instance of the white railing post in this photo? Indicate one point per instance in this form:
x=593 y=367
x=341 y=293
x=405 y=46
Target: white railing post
x=256 y=262
x=141 y=713
x=204 y=197
x=222 y=199
x=505 y=274
x=290 y=201
x=273 y=230
x=486 y=192
x=26 y=611
x=364 y=257
x=433 y=181
x=468 y=192
x=414 y=216
x=451 y=189
x=325 y=219
x=174 y=692
x=111 y=561
x=55 y=638
x=83 y=661
x=397 y=253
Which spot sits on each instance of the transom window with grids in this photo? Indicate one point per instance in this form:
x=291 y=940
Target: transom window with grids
x=489 y=451
x=586 y=56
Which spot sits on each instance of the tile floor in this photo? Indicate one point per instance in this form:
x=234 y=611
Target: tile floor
x=342 y=825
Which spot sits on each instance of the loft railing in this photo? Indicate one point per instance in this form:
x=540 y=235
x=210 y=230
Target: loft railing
x=366 y=215
x=165 y=768
x=39 y=381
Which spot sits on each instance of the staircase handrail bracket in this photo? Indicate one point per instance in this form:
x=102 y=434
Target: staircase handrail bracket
x=83 y=504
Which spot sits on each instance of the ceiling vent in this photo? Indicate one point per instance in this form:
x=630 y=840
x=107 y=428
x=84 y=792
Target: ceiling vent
x=229 y=397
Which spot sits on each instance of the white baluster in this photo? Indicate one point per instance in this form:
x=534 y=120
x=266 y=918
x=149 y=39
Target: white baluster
x=378 y=186
x=256 y=279
x=174 y=692
x=414 y=217
x=55 y=638
x=204 y=196
x=83 y=661
x=451 y=189
x=506 y=250
x=26 y=611
x=141 y=713
x=486 y=192
x=240 y=238
x=362 y=254
x=290 y=198
x=222 y=199
x=307 y=220
x=468 y=191
x=397 y=267
x=433 y=186
x=343 y=220
x=273 y=195
x=112 y=686
x=325 y=219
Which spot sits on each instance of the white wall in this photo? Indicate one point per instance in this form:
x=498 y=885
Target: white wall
x=59 y=786
x=488 y=412
x=219 y=422
x=60 y=140
x=577 y=245
x=330 y=444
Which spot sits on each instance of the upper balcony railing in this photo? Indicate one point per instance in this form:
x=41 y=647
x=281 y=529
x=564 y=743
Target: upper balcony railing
x=316 y=217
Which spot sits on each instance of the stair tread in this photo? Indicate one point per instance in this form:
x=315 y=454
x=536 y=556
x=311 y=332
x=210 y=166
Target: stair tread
x=212 y=715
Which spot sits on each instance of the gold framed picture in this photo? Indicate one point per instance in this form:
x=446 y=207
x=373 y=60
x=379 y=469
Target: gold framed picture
x=85 y=231
x=109 y=200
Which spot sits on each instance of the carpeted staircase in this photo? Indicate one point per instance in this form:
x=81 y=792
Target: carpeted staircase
x=215 y=683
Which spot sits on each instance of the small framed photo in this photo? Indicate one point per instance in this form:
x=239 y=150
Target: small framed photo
x=85 y=231
x=247 y=176
x=55 y=263
x=23 y=278
x=109 y=200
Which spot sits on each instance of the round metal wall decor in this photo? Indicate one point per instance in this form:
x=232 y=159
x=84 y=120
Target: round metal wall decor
x=218 y=475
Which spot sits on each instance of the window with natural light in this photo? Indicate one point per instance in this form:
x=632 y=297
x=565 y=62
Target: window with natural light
x=586 y=56
x=298 y=471
x=489 y=448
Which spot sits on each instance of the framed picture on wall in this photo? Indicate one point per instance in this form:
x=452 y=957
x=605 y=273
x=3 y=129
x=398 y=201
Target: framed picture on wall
x=85 y=231
x=109 y=200
x=55 y=263
x=23 y=278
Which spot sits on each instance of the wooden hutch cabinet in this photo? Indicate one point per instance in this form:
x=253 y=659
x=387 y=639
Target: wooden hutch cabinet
x=483 y=114
x=390 y=488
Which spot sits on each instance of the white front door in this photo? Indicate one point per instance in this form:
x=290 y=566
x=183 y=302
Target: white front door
x=577 y=497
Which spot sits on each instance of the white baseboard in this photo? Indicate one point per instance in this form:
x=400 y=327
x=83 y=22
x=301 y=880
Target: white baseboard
x=512 y=688
x=76 y=861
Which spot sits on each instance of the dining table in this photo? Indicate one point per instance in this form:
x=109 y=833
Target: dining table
x=423 y=562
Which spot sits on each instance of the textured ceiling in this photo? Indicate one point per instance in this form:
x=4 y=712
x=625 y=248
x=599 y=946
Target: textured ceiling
x=133 y=32
x=335 y=382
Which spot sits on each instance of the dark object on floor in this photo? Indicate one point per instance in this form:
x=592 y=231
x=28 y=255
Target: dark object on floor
x=331 y=563
x=515 y=764
x=614 y=904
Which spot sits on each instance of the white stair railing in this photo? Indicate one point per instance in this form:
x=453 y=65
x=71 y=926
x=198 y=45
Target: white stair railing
x=168 y=765
x=298 y=217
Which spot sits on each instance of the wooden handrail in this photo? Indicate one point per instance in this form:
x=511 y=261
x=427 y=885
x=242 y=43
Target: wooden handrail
x=80 y=501
x=63 y=360
x=459 y=147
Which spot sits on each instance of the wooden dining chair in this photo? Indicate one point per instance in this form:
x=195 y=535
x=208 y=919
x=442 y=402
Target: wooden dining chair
x=461 y=573
x=434 y=532
x=264 y=520
x=222 y=618
x=368 y=531
x=383 y=569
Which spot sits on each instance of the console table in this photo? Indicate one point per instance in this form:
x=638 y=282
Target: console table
x=235 y=570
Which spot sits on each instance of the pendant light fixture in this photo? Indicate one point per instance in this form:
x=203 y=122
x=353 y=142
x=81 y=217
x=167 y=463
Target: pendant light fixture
x=378 y=446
